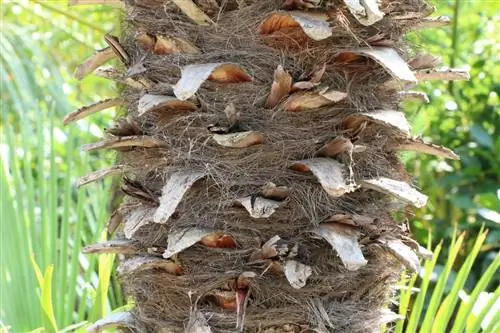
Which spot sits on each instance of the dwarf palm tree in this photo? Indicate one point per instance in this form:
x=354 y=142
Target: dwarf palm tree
x=258 y=151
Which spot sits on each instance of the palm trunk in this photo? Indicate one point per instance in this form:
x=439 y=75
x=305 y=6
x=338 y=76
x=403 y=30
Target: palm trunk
x=259 y=162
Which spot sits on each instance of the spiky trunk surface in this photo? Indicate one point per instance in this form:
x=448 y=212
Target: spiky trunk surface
x=259 y=154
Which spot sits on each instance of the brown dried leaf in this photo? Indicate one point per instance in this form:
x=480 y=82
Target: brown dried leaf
x=314 y=25
x=424 y=61
x=124 y=142
x=141 y=263
x=396 y=188
x=193 y=76
x=258 y=207
x=172 y=192
x=417 y=145
x=91 y=109
x=93 y=62
x=280 y=88
x=99 y=174
x=402 y=252
x=239 y=140
x=115 y=320
x=307 y=101
x=366 y=12
x=315 y=79
x=335 y=147
x=117 y=48
x=297 y=273
x=344 y=240
x=183 y=239
x=389 y=59
x=329 y=174
x=452 y=74
x=149 y=103
x=191 y=10
x=271 y=191
x=218 y=240
x=121 y=246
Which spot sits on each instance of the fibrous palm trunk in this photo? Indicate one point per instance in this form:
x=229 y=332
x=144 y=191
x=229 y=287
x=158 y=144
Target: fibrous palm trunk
x=259 y=162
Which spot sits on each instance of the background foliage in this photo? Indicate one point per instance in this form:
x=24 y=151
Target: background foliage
x=47 y=283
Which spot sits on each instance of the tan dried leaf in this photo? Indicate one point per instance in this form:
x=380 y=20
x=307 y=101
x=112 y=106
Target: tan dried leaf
x=149 y=103
x=180 y=240
x=96 y=60
x=433 y=22
x=312 y=100
x=335 y=147
x=99 y=174
x=280 y=88
x=258 y=207
x=172 y=192
x=414 y=95
x=271 y=191
x=193 y=76
x=417 y=145
x=402 y=252
x=239 y=140
x=91 y=109
x=142 y=263
x=366 y=12
x=297 y=273
x=396 y=188
x=329 y=174
x=113 y=74
x=173 y=45
x=424 y=61
x=314 y=25
x=344 y=240
x=121 y=246
x=389 y=59
x=191 y=10
x=315 y=79
x=124 y=142
x=391 y=118
x=452 y=74
x=138 y=218
x=115 y=320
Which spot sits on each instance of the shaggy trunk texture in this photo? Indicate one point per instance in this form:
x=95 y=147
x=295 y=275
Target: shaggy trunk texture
x=259 y=160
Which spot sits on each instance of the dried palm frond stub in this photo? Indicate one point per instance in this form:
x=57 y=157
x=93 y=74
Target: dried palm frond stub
x=149 y=103
x=98 y=59
x=366 y=12
x=258 y=207
x=314 y=25
x=193 y=76
x=344 y=240
x=419 y=146
x=100 y=174
x=396 y=188
x=116 y=320
x=310 y=100
x=162 y=45
x=124 y=142
x=329 y=173
x=177 y=185
x=91 y=109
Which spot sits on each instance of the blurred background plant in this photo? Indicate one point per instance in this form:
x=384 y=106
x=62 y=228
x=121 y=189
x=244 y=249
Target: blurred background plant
x=47 y=285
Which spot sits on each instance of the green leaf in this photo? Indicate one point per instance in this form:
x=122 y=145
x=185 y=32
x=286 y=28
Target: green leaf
x=481 y=136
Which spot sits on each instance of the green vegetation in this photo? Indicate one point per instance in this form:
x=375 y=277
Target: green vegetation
x=47 y=284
